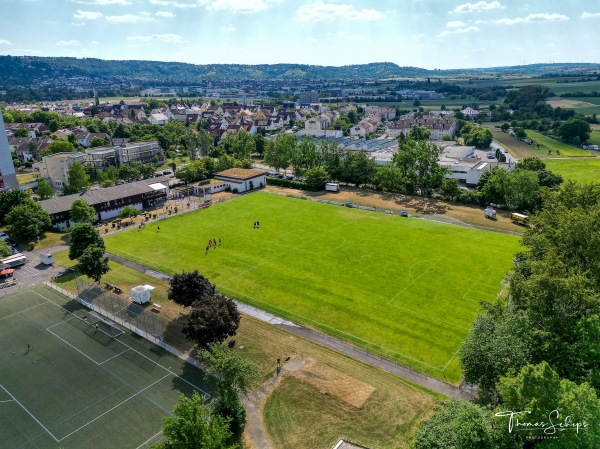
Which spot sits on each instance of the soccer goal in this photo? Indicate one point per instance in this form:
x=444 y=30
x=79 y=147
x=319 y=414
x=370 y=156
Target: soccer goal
x=105 y=326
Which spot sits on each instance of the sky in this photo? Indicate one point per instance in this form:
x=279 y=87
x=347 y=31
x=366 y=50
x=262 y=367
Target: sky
x=431 y=34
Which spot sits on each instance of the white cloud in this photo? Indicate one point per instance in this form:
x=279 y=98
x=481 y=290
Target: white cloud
x=319 y=11
x=129 y=18
x=455 y=24
x=311 y=40
x=169 y=38
x=228 y=29
x=87 y=15
x=176 y=3
x=347 y=36
x=167 y=14
x=77 y=24
x=5 y=42
x=477 y=7
x=470 y=29
x=540 y=17
x=238 y=6
x=103 y=2
x=71 y=43
x=590 y=15
x=145 y=13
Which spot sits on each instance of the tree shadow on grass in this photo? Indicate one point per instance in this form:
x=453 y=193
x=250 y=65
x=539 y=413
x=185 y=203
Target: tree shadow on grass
x=174 y=335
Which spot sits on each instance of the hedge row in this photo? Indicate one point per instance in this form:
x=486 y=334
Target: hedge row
x=288 y=183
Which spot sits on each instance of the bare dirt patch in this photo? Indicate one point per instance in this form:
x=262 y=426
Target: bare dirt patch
x=333 y=382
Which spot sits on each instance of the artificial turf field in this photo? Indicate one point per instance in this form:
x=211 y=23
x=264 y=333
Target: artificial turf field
x=78 y=387
x=406 y=288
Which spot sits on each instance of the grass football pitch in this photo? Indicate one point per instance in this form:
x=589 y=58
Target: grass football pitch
x=76 y=386
x=408 y=289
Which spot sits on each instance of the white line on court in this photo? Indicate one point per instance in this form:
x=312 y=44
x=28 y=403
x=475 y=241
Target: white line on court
x=9 y=400
x=120 y=342
x=475 y=283
x=24 y=310
x=29 y=413
x=110 y=358
x=148 y=440
x=111 y=409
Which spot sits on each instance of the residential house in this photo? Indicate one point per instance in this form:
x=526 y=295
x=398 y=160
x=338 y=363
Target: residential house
x=438 y=127
x=158 y=118
x=54 y=168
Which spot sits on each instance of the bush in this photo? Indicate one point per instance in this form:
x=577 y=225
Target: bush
x=235 y=190
x=228 y=188
x=31 y=246
x=288 y=183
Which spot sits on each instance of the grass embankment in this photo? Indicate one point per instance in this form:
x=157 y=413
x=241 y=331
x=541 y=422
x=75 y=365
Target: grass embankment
x=551 y=144
x=405 y=288
x=576 y=169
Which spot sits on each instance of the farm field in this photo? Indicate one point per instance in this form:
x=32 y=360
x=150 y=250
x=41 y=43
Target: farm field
x=517 y=147
x=403 y=295
x=585 y=106
x=432 y=104
x=576 y=169
x=550 y=83
x=594 y=138
x=554 y=145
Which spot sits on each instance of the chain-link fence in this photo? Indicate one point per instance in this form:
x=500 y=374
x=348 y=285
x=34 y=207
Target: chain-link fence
x=120 y=310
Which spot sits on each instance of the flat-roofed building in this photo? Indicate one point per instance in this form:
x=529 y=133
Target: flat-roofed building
x=54 y=168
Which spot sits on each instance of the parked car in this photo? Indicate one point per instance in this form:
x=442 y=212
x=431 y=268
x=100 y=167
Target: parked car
x=120 y=182
x=404 y=213
x=167 y=172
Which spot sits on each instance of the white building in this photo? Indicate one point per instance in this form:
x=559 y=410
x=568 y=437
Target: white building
x=240 y=179
x=8 y=177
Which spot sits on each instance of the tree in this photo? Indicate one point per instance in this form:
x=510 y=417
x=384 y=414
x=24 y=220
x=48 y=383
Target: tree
x=458 y=425
x=129 y=211
x=77 y=179
x=4 y=249
x=389 y=178
x=44 y=189
x=450 y=189
x=418 y=162
x=316 y=177
x=189 y=287
x=358 y=167
x=416 y=103
x=235 y=377
x=83 y=236
x=505 y=127
x=499 y=344
x=93 y=263
x=9 y=200
x=419 y=133
x=477 y=136
x=98 y=142
x=260 y=143
x=575 y=128
x=524 y=187
x=21 y=132
x=539 y=390
x=60 y=146
x=194 y=426
x=82 y=212
x=28 y=220
x=212 y=320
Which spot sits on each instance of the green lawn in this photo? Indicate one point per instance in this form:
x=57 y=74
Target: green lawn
x=581 y=170
x=554 y=145
x=407 y=288
x=594 y=138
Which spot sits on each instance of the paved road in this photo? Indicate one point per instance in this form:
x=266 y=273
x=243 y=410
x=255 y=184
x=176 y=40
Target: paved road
x=338 y=345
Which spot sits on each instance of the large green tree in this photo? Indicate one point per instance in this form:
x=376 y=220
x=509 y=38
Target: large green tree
x=195 y=426
x=44 y=189
x=82 y=236
x=11 y=199
x=27 y=220
x=82 y=212
x=188 y=287
x=575 y=130
x=60 y=146
x=316 y=177
x=389 y=178
x=77 y=179
x=93 y=263
x=212 y=320
x=418 y=162
x=4 y=249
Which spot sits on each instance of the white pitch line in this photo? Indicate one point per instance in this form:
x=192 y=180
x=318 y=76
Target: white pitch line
x=24 y=310
x=148 y=440
x=9 y=400
x=110 y=358
x=111 y=409
x=29 y=413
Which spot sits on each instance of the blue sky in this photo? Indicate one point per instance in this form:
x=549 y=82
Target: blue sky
x=424 y=33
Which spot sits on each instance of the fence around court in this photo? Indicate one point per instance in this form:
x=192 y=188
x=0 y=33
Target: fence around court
x=120 y=310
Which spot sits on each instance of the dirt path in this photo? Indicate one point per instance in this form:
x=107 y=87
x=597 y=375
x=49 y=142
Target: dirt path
x=255 y=435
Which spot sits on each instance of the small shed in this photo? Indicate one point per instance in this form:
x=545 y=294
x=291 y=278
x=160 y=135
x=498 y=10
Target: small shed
x=141 y=293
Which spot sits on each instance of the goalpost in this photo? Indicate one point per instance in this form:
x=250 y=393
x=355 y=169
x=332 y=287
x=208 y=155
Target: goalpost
x=105 y=326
